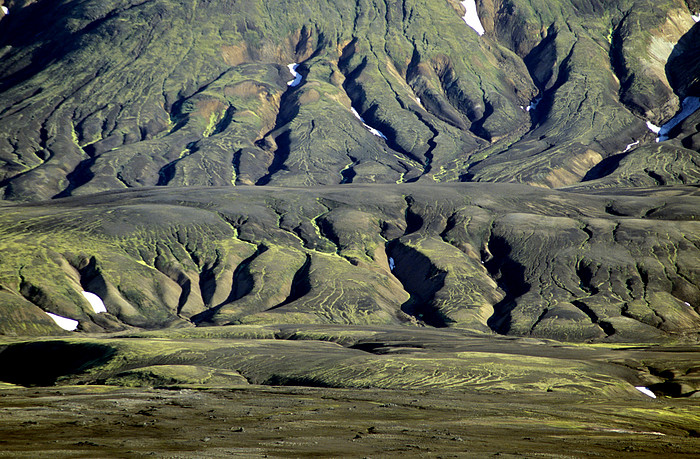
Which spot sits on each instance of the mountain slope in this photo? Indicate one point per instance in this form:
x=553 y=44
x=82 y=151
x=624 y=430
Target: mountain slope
x=252 y=162
x=498 y=258
x=109 y=95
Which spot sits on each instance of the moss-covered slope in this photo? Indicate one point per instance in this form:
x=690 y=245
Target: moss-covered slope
x=100 y=95
x=506 y=258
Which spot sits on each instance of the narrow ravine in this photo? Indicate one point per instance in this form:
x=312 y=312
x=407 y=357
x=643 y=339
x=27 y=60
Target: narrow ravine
x=689 y=106
x=374 y=131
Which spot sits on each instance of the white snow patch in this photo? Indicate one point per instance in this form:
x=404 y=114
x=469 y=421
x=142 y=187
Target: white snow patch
x=689 y=106
x=471 y=17
x=376 y=132
x=629 y=146
x=533 y=105
x=297 y=76
x=653 y=128
x=696 y=17
x=638 y=432
x=645 y=391
x=686 y=303
x=95 y=301
x=419 y=102
x=357 y=115
x=6 y=11
x=64 y=322
x=392 y=264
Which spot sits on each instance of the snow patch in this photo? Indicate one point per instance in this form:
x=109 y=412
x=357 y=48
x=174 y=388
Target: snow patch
x=638 y=432
x=376 y=132
x=689 y=106
x=629 y=146
x=95 y=301
x=471 y=17
x=6 y=11
x=696 y=17
x=686 y=303
x=645 y=391
x=653 y=128
x=533 y=105
x=392 y=264
x=297 y=76
x=64 y=322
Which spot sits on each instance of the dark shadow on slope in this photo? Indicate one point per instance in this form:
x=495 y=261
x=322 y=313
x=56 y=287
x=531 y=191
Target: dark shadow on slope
x=414 y=221
x=281 y=155
x=303 y=381
x=683 y=64
x=301 y=284
x=477 y=127
x=510 y=276
x=167 y=172
x=604 y=168
x=421 y=279
x=544 y=107
x=44 y=363
x=51 y=25
x=348 y=174
x=79 y=177
x=282 y=144
x=242 y=285
x=606 y=326
x=541 y=59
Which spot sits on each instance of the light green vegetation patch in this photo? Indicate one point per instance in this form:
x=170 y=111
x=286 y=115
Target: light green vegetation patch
x=347 y=357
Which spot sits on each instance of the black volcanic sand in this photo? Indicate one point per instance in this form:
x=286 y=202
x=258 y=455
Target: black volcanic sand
x=98 y=421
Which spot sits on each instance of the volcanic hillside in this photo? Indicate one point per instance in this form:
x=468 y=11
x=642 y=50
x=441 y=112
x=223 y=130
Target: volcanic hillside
x=198 y=162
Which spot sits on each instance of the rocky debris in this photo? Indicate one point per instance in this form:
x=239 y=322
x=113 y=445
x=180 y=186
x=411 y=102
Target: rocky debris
x=302 y=422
